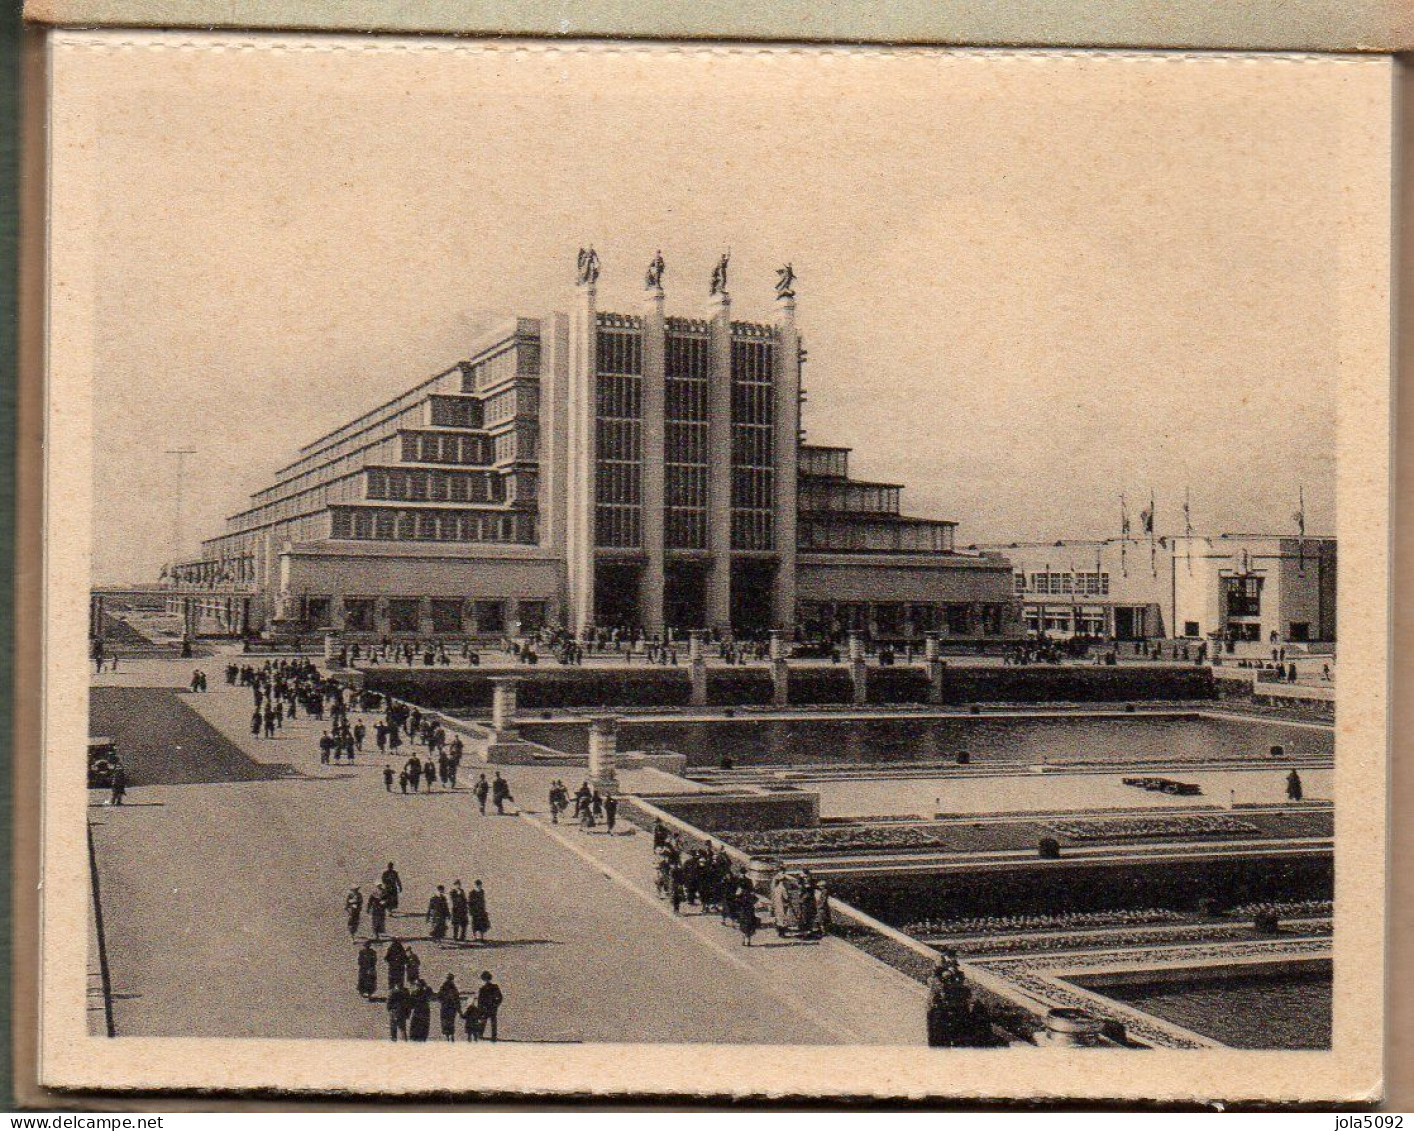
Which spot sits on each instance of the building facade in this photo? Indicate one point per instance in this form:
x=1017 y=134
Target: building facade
x=590 y=468
x=1228 y=587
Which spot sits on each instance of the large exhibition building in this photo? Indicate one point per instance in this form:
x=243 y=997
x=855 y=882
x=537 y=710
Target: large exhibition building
x=596 y=469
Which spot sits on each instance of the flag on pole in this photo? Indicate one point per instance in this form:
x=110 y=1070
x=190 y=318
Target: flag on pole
x=1300 y=518
x=1123 y=534
x=1146 y=517
x=1188 y=528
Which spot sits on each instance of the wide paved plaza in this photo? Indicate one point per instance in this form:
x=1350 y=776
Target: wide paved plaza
x=223 y=878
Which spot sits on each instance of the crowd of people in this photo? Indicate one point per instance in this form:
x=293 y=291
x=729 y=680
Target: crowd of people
x=409 y=997
x=704 y=876
x=591 y=808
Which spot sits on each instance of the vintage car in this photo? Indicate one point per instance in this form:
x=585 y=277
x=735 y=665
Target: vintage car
x=102 y=761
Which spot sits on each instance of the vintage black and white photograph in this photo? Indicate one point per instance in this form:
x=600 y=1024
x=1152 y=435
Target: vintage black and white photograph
x=813 y=549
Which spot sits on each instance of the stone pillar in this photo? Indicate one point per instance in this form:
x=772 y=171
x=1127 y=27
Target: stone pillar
x=697 y=662
x=936 y=667
x=580 y=448
x=503 y=707
x=787 y=452
x=719 y=468
x=780 y=670
x=858 y=668
x=189 y=619
x=603 y=753
x=651 y=579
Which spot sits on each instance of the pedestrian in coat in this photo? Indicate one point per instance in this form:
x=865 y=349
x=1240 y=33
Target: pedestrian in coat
x=388 y=779
x=414 y=964
x=611 y=812
x=746 y=918
x=488 y=999
x=118 y=785
x=438 y=913
x=501 y=793
x=367 y=970
x=396 y=956
x=420 y=1018
x=429 y=773
x=449 y=998
x=474 y=1021
x=377 y=915
x=480 y=916
x=482 y=789
x=461 y=914
x=353 y=905
x=399 y=1006
x=392 y=886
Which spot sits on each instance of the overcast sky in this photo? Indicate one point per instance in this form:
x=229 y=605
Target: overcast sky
x=1026 y=284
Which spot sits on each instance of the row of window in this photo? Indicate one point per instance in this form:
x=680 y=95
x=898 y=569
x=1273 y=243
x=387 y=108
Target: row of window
x=617 y=483
x=685 y=485
x=753 y=445
x=816 y=495
x=441 y=447
x=685 y=528
x=388 y=525
x=439 y=486
x=902 y=619
x=618 y=397
x=685 y=442
x=519 y=443
x=509 y=404
x=1062 y=584
x=687 y=357
x=753 y=361
x=620 y=440
x=752 y=488
x=685 y=399
x=454 y=412
x=909 y=537
x=523 y=359
x=619 y=352
x=753 y=403
x=618 y=526
x=753 y=530
x=444 y=615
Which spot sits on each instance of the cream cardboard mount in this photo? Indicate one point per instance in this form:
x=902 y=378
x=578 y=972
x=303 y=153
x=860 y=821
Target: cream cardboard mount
x=903 y=486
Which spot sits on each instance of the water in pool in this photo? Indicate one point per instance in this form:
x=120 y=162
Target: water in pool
x=1021 y=740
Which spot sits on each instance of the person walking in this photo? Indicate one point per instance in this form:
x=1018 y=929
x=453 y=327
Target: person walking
x=747 y=920
x=429 y=773
x=414 y=966
x=1294 y=790
x=611 y=813
x=392 y=886
x=420 y=1017
x=488 y=999
x=367 y=970
x=500 y=794
x=399 y=1007
x=481 y=790
x=396 y=957
x=118 y=784
x=353 y=906
x=461 y=914
x=377 y=915
x=388 y=779
x=480 y=915
x=475 y=1023
x=437 y=914
x=449 y=999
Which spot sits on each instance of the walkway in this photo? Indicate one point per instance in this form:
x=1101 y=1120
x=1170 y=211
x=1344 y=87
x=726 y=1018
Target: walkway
x=223 y=908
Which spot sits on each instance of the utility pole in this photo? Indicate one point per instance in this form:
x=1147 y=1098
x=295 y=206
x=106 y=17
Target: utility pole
x=178 y=533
